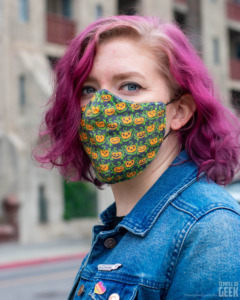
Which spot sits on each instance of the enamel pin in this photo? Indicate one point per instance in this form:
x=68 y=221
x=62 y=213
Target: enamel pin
x=107 y=267
x=99 y=288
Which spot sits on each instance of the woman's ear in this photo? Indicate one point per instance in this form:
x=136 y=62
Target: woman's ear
x=184 y=110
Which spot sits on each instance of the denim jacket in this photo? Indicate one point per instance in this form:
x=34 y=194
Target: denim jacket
x=180 y=241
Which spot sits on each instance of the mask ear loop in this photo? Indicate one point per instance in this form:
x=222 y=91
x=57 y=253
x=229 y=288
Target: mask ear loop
x=171 y=101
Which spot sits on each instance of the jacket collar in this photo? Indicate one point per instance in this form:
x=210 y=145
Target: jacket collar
x=181 y=174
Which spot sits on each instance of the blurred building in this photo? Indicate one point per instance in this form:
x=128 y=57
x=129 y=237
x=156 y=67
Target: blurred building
x=33 y=35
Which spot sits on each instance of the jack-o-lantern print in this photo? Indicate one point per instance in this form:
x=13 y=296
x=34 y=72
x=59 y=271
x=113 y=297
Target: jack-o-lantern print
x=112 y=126
x=121 y=106
x=129 y=163
x=152 y=113
x=106 y=98
x=139 y=121
x=141 y=134
x=105 y=153
x=117 y=155
x=135 y=106
x=100 y=138
x=131 y=149
x=126 y=135
x=100 y=124
x=151 y=128
x=115 y=140
x=121 y=137
x=95 y=110
x=127 y=120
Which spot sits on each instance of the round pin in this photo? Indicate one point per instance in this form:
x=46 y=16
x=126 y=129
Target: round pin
x=114 y=296
x=81 y=290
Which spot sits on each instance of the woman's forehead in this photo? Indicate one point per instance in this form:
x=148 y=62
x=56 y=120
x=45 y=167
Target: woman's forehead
x=123 y=55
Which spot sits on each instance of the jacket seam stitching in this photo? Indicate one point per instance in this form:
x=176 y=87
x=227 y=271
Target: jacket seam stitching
x=182 y=209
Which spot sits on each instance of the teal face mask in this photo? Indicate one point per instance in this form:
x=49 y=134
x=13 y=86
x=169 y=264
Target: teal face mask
x=121 y=137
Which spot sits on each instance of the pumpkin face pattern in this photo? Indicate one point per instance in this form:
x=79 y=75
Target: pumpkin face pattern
x=126 y=135
x=104 y=168
x=151 y=128
x=116 y=155
x=109 y=111
x=131 y=174
x=135 y=106
x=127 y=120
x=100 y=138
x=160 y=113
x=115 y=140
x=121 y=137
x=83 y=136
x=100 y=124
x=151 y=154
x=141 y=134
x=139 y=120
x=89 y=127
x=104 y=153
x=92 y=141
x=120 y=106
x=119 y=169
x=129 y=163
x=88 y=150
x=142 y=148
x=142 y=161
x=154 y=141
x=112 y=126
x=89 y=112
x=94 y=155
x=161 y=127
x=95 y=110
x=151 y=114
x=131 y=149
x=106 y=98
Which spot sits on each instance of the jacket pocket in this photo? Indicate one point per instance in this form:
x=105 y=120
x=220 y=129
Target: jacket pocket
x=105 y=289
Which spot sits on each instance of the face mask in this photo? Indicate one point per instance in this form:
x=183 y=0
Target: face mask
x=121 y=137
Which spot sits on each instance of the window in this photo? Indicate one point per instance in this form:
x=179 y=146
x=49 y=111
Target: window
x=42 y=201
x=24 y=10
x=22 y=90
x=99 y=11
x=180 y=19
x=53 y=61
x=216 y=51
x=67 y=8
x=236 y=100
x=238 y=50
x=127 y=7
x=60 y=7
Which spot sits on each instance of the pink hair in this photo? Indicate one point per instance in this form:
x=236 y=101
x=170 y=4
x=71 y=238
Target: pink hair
x=211 y=138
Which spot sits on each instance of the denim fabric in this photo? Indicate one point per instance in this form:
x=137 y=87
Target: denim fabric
x=180 y=241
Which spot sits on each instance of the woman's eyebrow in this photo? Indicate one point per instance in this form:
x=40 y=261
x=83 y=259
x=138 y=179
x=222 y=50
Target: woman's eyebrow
x=126 y=75
x=118 y=76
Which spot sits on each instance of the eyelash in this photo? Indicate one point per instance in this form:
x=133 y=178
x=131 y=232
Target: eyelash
x=88 y=87
x=121 y=87
x=131 y=83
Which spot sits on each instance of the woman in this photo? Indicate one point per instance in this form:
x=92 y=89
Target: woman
x=134 y=107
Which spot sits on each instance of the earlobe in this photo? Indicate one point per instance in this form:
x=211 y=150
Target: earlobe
x=184 y=110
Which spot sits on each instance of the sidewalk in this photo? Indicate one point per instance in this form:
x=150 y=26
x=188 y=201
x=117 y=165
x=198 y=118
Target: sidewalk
x=17 y=255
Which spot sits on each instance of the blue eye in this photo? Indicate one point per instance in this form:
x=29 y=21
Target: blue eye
x=131 y=87
x=88 y=90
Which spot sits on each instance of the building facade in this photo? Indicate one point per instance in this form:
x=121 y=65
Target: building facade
x=33 y=35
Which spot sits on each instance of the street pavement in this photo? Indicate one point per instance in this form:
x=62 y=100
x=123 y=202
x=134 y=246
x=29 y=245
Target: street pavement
x=16 y=255
x=46 y=281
